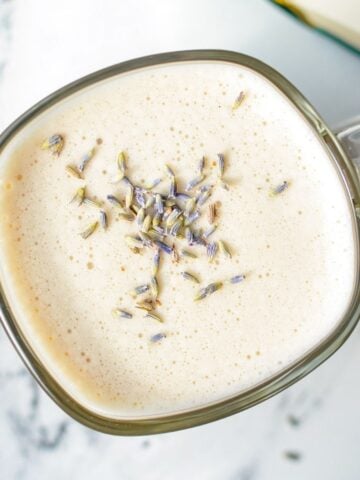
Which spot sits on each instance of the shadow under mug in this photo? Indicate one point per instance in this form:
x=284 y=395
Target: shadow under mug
x=343 y=150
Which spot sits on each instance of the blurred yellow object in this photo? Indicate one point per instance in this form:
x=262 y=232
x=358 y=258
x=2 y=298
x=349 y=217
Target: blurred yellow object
x=340 y=18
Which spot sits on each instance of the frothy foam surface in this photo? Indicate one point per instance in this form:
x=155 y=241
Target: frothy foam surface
x=297 y=249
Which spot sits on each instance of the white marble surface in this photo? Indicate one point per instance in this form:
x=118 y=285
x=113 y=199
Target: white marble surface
x=44 y=44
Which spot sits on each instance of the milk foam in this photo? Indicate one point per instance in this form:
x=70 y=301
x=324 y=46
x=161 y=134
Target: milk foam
x=297 y=249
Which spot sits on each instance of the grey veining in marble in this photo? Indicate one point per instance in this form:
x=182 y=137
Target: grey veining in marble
x=312 y=430
x=5 y=32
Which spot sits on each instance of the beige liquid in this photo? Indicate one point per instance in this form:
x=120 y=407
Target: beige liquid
x=297 y=249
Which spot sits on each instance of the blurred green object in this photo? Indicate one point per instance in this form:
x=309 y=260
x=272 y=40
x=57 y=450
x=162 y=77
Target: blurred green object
x=338 y=18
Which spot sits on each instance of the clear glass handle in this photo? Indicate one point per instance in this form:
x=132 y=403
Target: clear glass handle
x=349 y=137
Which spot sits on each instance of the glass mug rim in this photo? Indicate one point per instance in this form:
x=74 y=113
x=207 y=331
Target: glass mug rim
x=246 y=398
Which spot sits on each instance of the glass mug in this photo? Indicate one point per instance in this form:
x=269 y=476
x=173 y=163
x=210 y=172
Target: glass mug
x=343 y=149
